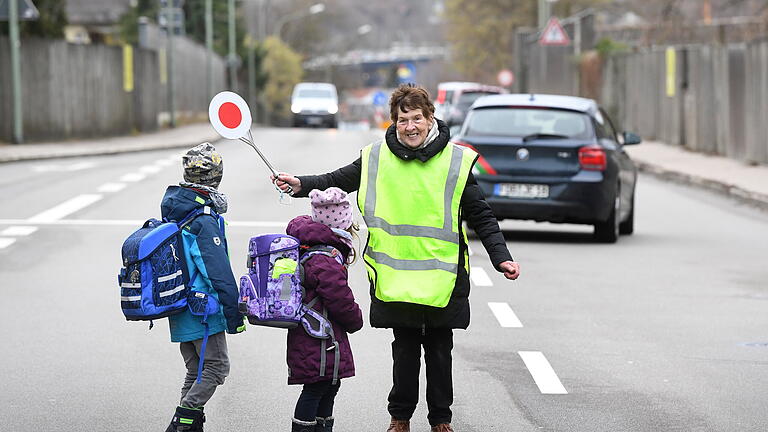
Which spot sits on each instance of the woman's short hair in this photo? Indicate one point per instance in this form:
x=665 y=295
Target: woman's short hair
x=409 y=97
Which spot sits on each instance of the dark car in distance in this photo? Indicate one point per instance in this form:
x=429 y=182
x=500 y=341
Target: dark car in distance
x=552 y=158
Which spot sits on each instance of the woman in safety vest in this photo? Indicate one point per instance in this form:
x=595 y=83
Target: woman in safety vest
x=414 y=188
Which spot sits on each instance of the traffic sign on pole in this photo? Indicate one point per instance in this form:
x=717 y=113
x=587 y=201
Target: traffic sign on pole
x=554 y=34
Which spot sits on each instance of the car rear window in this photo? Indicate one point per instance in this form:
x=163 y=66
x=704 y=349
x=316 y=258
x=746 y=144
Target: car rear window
x=466 y=99
x=314 y=93
x=520 y=122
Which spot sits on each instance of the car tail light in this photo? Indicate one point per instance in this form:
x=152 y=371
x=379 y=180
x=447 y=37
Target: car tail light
x=592 y=158
x=482 y=165
x=440 y=96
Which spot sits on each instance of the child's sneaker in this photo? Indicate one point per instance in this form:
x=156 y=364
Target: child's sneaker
x=187 y=420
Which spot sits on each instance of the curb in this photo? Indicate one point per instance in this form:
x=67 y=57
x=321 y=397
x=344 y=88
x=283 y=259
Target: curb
x=742 y=195
x=31 y=152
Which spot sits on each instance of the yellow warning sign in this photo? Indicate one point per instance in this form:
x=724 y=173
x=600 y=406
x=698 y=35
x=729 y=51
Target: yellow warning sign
x=671 y=71
x=127 y=68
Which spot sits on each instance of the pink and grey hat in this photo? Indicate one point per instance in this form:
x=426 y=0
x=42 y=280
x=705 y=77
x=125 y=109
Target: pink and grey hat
x=331 y=207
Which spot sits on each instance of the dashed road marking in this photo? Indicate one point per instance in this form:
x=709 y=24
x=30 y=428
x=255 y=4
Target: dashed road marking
x=166 y=162
x=504 y=315
x=150 y=169
x=63 y=167
x=5 y=242
x=132 y=177
x=128 y=222
x=480 y=277
x=112 y=187
x=66 y=208
x=541 y=371
x=18 y=230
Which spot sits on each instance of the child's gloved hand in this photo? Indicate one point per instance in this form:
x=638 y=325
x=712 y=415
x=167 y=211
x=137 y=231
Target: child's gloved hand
x=239 y=329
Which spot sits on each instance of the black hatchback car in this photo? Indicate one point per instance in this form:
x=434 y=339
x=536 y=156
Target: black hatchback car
x=553 y=158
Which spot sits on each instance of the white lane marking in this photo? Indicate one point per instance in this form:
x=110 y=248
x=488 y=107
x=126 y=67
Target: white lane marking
x=541 y=371
x=132 y=177
x=129 y=222
x=479 y=276
x=66 y=208
x=5 y=242
x=504 y=315
x=150 y=169
x=18 y=230
x=165 y=162
x=63 y=167
x=112 y=187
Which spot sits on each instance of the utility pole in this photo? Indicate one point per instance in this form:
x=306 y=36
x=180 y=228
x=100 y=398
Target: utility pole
x=232 y=55
x=545 y=11
x=209 y=46
x=251 y=46
x=13 y=30
x=169 y=59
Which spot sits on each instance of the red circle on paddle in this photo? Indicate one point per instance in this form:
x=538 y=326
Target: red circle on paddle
x=230 y=115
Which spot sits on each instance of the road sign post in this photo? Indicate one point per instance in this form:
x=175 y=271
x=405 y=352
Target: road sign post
x=13 y=11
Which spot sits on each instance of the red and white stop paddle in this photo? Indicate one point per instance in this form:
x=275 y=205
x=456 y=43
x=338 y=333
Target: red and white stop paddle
x=230 y=116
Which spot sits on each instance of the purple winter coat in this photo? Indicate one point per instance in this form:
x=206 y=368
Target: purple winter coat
x=324 y=277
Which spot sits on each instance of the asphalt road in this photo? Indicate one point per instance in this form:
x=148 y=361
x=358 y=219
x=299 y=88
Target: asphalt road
x=663 y=331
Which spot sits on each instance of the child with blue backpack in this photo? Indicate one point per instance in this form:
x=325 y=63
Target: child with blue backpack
x=205 y=250
x=318 y=364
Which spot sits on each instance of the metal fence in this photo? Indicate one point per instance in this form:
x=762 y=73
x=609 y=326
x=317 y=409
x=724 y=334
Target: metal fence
x=717 y=102
x=76 y=91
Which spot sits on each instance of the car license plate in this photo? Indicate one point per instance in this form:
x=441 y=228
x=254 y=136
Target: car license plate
x=314 y=120
x=522 y=190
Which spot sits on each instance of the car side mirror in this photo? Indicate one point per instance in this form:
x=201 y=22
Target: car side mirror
x=631 y=138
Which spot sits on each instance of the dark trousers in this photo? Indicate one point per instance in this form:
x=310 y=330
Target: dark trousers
x=316 y=400
x=406 y=356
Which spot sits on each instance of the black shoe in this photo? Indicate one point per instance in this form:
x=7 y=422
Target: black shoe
x=187 y=420
x=324 y=424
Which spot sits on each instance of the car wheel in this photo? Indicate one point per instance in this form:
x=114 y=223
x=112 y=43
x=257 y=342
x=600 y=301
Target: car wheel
x=608 y=231
x=628 y=226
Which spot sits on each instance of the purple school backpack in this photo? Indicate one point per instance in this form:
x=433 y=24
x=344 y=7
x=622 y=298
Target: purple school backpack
x=271 y=293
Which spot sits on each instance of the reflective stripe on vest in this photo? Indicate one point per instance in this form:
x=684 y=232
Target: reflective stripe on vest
x=412 y=212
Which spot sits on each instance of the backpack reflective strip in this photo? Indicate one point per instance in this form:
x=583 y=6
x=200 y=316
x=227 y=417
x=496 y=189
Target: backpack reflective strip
x=173 y=291
x=130 y=285
x=169 y=277
x=130 y=299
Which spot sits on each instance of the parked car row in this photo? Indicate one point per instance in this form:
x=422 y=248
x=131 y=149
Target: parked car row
x=455 y=98
x=552 y=158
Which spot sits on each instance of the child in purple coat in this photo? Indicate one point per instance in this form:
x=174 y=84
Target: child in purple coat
x=324 y=277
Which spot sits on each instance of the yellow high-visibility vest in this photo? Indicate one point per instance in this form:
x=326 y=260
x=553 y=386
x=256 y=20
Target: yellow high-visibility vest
x=412 y=212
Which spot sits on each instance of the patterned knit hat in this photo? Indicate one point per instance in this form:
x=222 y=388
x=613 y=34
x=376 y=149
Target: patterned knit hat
x=203 y=165
x=331 y=207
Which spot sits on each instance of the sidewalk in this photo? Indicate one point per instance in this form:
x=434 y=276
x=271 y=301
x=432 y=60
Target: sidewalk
x=746 y=183
x=733 y=178
x=182 y=136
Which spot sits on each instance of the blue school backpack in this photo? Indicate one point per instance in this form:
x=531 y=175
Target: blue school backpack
x=154 y=280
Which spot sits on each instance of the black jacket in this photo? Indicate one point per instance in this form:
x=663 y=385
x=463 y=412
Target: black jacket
x=473 y=208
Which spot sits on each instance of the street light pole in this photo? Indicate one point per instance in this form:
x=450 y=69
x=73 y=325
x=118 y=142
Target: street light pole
x=169 y=24
x=13 y=32
x=314 y=9
x=209 y=46
x=232 y=55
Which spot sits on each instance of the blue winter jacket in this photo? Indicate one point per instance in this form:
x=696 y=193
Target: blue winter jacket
x=205 y=249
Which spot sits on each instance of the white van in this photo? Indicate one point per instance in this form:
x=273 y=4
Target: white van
x=315 y=104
